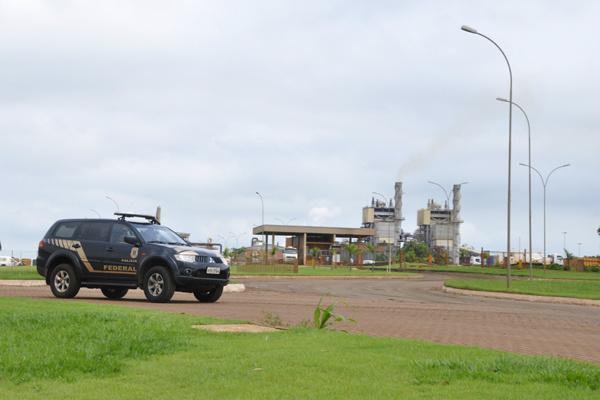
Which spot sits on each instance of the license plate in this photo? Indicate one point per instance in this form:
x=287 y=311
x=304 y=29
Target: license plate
x=213 y=270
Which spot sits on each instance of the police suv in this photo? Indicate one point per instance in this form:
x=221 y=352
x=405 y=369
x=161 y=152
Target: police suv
x=117 y=255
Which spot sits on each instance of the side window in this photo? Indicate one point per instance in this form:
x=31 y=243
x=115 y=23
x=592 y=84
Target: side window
x=66 y=230
x=98 y=231
x=119 y=232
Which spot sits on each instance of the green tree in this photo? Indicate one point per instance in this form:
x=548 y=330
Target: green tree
x=420 y=250
x=239 y=251
x=315 y=254
x=569 y=255
x=352 y=251
x=333 y=250
x=273 y=252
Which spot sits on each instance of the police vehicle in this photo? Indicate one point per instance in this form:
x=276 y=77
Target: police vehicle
x=132 y=251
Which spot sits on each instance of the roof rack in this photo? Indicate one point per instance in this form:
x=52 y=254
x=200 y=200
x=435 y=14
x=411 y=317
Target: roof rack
x=151 y=218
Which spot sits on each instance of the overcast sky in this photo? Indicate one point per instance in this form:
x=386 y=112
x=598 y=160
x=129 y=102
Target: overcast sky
x=197 y=105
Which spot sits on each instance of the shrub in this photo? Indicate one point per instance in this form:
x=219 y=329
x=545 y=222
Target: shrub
x=595 y=268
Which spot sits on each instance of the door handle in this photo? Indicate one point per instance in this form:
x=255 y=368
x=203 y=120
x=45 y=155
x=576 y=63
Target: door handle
x=110 y=249
x=76 y=246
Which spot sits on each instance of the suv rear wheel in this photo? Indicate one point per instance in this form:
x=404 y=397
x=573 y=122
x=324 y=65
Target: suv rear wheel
x=64 y=282
x=209 y=295
x=158 y=285
x=114 y=292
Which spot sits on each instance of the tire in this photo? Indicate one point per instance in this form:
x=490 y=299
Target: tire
x=209 y=295
x=158 y=285
x=64 y=282
x=114 y=292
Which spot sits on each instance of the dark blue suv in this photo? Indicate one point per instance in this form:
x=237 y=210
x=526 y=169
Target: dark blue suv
x=117 y=255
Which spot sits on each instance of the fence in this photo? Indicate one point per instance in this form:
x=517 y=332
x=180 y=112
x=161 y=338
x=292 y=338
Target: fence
x=266 y=268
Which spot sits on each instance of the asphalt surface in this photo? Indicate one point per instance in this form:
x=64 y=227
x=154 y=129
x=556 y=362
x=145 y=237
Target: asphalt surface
x=401 y=308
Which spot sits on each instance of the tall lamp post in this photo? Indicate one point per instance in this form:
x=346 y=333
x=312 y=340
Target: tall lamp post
x=263 y=225
x=279 y=219
x=529 y=163
x=474 y=31
x=237 y=237
x=388 y=240
x=113 y=200
x=544 y=183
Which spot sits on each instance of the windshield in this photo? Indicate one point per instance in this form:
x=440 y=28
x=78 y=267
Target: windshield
x=291 y=251
x=159 y=234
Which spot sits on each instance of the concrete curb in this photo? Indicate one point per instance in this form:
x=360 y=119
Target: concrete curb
x=231 y=288
x=522 y=297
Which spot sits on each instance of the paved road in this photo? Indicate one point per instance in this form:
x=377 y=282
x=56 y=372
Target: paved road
x=403 y=308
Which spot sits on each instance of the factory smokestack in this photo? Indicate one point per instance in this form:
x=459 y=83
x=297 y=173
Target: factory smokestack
x=398 y=212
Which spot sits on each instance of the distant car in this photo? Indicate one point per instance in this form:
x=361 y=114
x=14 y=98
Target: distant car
x=475 y=260
x=7 y=261
x=117 y=255
x=369 y=262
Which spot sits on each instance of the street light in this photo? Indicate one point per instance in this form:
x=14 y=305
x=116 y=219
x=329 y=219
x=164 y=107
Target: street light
x=284 y=222
x=565 y=243
x=96 y=212
x=389 y=270
x=450 y=220
x=237 y=237
x=529 y=139
x=544 y=183
x=474 y=31
x=113 y=200
x=263 y=224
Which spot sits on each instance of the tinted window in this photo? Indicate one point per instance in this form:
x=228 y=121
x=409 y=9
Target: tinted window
x=98 y=231
x=66 y=230
x=119 y=232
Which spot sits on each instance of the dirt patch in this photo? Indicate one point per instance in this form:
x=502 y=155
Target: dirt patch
x=236 y=328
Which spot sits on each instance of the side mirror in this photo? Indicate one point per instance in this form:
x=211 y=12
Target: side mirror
x=132 y=240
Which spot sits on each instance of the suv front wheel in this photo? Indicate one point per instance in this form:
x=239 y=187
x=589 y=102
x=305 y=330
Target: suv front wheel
x=158 y=285
x=64 y=281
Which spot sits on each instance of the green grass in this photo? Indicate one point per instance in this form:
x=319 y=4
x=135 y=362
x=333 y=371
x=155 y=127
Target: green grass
x=575 y=289
x=524 y=272
x=327 y=271
x=22 y=272
x=58 y=349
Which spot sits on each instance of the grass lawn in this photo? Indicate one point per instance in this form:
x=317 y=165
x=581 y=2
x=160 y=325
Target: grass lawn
x=537 y=273
x=22 y=272
x=328 y=271
x=59 y=349
x=576 y=289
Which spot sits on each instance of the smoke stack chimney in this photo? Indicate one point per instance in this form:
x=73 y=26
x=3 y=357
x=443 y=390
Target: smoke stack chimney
x=398 y=210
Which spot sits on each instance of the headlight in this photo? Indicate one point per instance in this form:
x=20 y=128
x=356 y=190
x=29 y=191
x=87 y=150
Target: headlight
x=185 y=257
